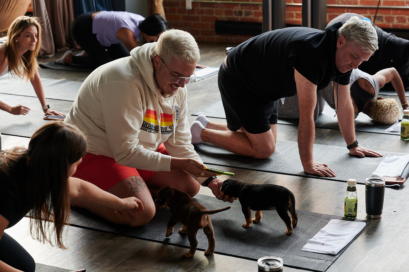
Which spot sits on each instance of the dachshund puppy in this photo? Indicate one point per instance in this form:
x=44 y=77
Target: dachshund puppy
x=258 y=197
x=193 y=216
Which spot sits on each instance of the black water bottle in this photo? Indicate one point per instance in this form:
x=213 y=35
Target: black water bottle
x=374 y=195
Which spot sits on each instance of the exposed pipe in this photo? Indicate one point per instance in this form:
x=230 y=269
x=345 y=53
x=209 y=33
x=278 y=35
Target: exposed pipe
x=299 y=4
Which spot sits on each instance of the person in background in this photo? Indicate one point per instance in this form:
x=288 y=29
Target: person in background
x=109 y=35
x=18 y=57
x=38 y=181
x=364 y=97
x=393 y=51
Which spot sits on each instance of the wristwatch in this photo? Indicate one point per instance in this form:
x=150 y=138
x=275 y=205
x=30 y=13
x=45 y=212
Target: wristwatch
x=46 y=107
x=207 y=181
x=354 y=144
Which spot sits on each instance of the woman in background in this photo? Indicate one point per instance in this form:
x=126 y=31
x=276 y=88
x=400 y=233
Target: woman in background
x=364 y=90
x=109 y=35
x=19 y=57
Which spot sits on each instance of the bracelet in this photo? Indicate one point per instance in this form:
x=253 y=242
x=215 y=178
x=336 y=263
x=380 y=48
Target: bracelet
x=207 y=181
x=404 y=104
x=354 y=144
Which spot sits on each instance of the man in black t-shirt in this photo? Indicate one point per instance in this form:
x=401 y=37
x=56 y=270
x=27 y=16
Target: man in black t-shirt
x=282 y=63
x=392 y=52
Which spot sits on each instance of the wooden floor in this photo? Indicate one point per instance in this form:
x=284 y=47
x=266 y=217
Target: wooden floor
x=383 y=246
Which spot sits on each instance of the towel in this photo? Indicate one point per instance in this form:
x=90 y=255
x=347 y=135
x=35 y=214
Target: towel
x=332 y=238
x=394 y=128
x=391 y=166
x=203 y=73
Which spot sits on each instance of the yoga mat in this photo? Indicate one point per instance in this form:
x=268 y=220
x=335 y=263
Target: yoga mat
x=391 y=93
x=66 y=67
x=326 y=120
x=48 y=268
x=61 y=89
x=264 y=239
x=286 y=160
x=26 y=125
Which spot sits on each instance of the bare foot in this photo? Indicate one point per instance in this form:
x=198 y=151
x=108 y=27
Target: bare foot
x=68 y=59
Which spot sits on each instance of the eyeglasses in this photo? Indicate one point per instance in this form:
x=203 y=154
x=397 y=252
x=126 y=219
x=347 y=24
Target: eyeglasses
x=178 y=79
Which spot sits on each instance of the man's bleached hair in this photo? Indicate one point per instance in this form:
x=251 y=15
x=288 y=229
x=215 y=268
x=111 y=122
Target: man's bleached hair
x=385 y=111
x=177 y=43
x=360 y=31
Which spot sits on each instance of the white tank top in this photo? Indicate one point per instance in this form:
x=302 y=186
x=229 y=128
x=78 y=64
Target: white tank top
x=328 y=93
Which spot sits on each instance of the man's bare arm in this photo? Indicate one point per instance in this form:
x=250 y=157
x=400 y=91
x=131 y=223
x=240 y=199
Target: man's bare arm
x=346 y=121
x=307 y=97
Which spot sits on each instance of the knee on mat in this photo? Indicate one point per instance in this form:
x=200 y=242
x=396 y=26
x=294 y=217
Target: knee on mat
x=265 y=153
x=193 y=188
x=190 y=186
x=142 y=219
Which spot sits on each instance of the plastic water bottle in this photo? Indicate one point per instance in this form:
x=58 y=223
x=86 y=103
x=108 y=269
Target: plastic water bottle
x=351 y=200
x=404 y=132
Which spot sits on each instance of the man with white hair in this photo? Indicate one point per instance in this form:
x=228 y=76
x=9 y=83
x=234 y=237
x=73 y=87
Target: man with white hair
x=134 y=113
x=282 y=63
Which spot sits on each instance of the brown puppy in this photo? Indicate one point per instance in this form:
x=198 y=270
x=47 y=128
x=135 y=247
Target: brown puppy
x=193 y=216
x=258 y=197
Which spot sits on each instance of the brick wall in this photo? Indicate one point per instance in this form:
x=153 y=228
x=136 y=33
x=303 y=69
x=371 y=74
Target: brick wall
x=200 y=20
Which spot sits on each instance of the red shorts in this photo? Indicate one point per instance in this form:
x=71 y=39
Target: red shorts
x=105 y=172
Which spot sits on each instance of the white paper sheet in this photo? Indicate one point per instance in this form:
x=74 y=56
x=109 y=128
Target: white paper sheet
x=202 y=73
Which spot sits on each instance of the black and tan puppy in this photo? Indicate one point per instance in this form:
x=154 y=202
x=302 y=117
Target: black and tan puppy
x=258 y=197
x=192 y=215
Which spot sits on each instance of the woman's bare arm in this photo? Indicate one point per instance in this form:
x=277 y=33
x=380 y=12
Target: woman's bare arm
x=391 y=75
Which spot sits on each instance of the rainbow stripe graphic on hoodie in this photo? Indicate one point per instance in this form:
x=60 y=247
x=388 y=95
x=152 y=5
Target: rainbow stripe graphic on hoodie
x=151 y=124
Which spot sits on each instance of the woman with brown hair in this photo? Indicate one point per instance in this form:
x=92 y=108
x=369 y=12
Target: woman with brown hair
x=38 y=181
x=19 y=57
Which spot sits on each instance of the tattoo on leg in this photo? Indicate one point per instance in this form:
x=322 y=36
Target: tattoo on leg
x=136 y=184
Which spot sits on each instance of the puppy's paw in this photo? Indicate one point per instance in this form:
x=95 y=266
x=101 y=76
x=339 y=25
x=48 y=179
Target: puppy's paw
x=208 y=252
x=246 y=225
x=256 y=220
x=183 y=229
x=288 y=232
x=189 y=255
x=169 y=232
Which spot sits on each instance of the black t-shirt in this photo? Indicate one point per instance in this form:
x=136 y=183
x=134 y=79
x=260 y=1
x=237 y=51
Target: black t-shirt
x=13 y=195
x=264 y=64
x=392 y=51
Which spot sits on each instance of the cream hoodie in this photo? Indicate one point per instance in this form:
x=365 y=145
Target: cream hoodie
x=124 y=116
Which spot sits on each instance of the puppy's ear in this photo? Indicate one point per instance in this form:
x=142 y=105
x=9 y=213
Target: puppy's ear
x=169 y=194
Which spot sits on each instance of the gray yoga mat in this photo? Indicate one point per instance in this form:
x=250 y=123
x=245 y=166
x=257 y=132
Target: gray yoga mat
x=286 y=160
x=26 y=125
x=326 y=120
x=264 y=239
x=48 y=268
x=61 y=89
x=392 y=92
x=66 y=67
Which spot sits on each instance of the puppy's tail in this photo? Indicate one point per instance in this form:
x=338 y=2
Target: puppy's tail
x=215 y=211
